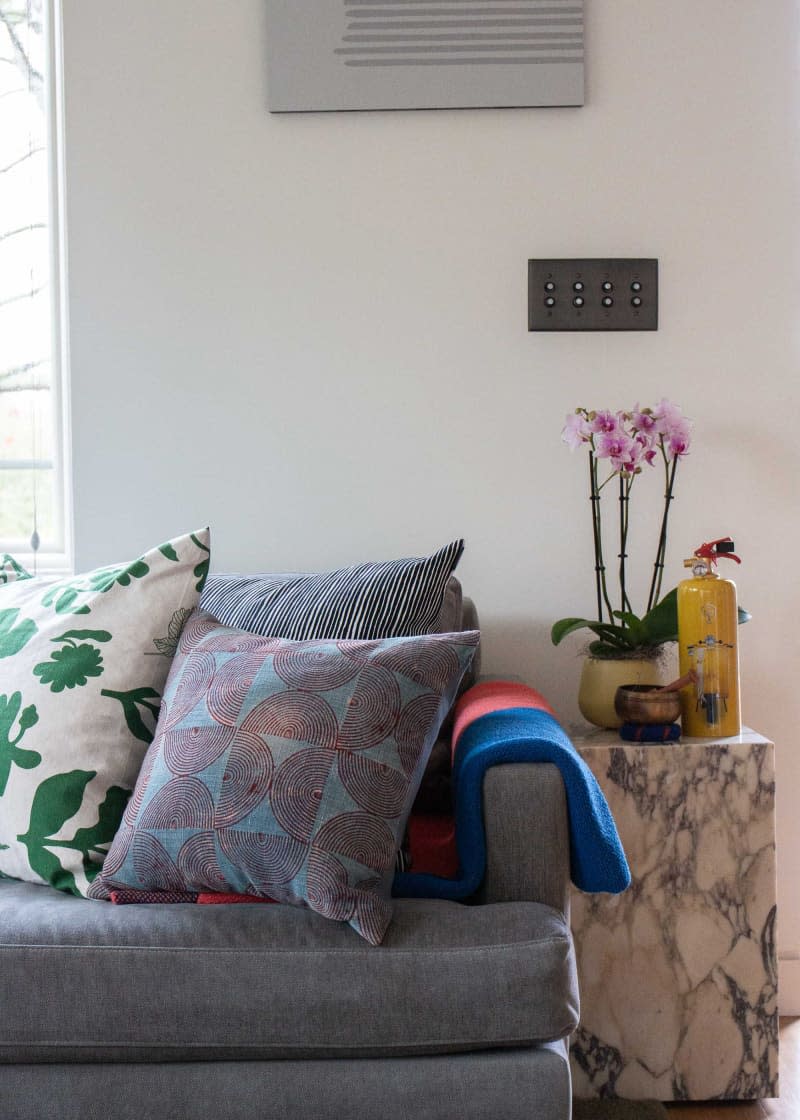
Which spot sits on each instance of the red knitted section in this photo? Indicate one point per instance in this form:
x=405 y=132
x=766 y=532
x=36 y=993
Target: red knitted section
x=126 y=896
x=215 y=898
x=432 y=841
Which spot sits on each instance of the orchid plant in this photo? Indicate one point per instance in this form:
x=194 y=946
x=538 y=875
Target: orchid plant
x=622 y=446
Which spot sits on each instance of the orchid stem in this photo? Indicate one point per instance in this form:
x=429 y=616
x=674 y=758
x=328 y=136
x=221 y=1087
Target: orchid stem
x=658 y=567
x=624 y=495
x=594 y=498
x=599 y=566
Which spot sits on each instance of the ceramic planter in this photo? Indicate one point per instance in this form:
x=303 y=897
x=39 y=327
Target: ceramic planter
x=600 y=679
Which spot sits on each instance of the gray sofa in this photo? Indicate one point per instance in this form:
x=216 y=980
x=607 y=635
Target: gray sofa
x=170 y=1012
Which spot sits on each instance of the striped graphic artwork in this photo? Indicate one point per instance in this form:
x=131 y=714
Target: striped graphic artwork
x=398 y=598
x=381 y=33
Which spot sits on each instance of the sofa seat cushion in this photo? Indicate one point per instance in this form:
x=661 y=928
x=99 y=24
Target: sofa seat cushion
x=86 y=981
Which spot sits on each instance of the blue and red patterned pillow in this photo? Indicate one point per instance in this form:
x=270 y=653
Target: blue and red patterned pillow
x=286 y=769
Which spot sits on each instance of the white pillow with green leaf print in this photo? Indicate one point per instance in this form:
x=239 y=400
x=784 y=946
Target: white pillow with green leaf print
x=83 y=661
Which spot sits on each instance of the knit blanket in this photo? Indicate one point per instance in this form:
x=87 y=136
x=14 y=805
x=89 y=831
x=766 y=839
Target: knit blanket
x=498 y=723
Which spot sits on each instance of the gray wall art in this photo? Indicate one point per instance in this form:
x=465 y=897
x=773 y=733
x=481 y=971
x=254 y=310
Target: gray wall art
x=423 y=54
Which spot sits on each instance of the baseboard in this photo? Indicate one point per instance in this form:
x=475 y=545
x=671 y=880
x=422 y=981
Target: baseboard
x=789 y=986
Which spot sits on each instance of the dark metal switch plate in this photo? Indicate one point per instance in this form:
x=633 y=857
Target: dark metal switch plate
x=594 y=294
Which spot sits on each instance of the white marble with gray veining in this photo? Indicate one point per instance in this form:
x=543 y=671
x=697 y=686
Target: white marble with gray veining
x=678 y=975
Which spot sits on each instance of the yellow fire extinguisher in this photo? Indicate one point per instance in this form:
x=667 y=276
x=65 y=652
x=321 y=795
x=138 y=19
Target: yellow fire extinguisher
x=709 y=658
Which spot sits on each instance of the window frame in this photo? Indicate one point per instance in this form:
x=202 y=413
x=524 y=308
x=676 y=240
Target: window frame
x=61 y=557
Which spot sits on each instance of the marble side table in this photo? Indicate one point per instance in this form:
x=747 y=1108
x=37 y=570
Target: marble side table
x=678 y=975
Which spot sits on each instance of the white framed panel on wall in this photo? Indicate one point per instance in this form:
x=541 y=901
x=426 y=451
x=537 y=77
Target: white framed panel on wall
x=424 y=54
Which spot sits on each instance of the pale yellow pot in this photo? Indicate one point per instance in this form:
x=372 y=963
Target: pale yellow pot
x=600 y=679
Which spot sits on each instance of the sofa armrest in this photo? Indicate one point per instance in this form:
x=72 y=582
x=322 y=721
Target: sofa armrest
x=527 y=835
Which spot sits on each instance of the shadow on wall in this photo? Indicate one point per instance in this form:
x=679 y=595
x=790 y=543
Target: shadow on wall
x=516 y=649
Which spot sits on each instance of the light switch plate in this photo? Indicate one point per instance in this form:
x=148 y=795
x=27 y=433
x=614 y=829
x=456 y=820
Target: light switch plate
x=593 y=294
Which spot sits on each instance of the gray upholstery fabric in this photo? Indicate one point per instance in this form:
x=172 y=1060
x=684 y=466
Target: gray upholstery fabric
x=527 y=836
x=449 y=617
x=459 y=613
x=469 y=621
x=90 y=981
x=496 y=1085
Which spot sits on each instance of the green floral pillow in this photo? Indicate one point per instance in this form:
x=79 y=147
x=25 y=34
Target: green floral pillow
x=11 y=570
x=83 y=661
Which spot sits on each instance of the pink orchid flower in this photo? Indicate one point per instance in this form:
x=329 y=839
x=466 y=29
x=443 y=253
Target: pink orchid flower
x=648 y=450
x=606 y=421
x=576 y=430
x=643 y=420
x=618 y=447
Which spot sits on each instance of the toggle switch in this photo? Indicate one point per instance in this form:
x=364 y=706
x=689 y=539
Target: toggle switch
x=608 y=294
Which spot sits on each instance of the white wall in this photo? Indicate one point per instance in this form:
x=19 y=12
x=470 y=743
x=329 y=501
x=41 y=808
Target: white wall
x=310 y=331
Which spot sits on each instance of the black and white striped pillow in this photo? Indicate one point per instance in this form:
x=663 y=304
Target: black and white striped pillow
x=396 y=599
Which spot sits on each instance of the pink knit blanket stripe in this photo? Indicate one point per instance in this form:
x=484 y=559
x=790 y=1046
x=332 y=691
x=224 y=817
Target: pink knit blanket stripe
x=493 y=696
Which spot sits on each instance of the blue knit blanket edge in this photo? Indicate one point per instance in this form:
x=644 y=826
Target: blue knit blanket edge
x=597 y=859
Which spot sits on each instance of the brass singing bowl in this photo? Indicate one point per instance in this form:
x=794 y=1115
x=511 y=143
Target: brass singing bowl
x=641 y=703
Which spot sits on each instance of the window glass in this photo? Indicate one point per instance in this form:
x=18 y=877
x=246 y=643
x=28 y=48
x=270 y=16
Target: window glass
x=31 y=475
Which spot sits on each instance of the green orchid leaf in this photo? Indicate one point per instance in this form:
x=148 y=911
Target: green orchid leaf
x=566 y=626
x=628 y=618
x=615 y=635
x=604 y=649
x=145 y=698
x=637 y=632
x=13 y=635
x=661 y=623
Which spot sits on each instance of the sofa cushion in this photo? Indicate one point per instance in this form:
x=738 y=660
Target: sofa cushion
x=521 y=1083
x=397 y=598
x=86 y=982
x=286 y=769
x=83 y=660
